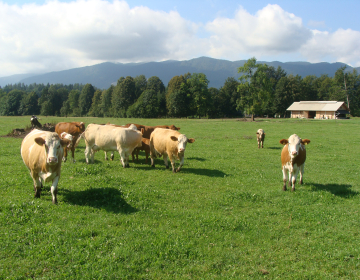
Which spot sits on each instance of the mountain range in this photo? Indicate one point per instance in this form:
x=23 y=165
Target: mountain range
x=216 y=70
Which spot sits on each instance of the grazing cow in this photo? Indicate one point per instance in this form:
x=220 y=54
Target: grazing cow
x=35 y=122
x=73 y=128
x=260 y=135
x=168 y=143
x=65 y=135
x=41 y=152
x=293 y=158
x=111 y=138
x=147 y=133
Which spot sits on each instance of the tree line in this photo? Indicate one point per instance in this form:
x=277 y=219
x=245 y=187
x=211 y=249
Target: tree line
x=261 y=90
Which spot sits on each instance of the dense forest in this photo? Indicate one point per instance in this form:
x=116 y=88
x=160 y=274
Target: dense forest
x=262 y=91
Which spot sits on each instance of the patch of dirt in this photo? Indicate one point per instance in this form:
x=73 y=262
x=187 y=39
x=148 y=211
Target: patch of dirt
x=22 y=132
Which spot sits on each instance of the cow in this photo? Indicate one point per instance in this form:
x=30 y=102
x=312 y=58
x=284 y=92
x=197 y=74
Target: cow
x=293 y=157
x=73 y=128
x=41 y=152
x=111 y=138
x=35 y=122
x=65 y=135
x=260 y=135
x=168 y=143
x=147 y=133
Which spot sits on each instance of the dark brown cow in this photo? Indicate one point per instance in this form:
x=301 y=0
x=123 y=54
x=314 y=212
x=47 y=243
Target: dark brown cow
x=73 y=128
x=293 y=158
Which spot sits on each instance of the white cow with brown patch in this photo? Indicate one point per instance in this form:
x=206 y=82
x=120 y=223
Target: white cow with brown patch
x=42 y=152
x=168 y=143
x=260 y=135
x=293 y=157
x=111 y=138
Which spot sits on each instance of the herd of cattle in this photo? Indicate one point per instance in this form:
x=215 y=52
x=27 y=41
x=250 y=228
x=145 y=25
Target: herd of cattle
x=44 y=151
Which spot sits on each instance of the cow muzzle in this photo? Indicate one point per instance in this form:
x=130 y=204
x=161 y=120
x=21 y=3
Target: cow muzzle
x=52 y=160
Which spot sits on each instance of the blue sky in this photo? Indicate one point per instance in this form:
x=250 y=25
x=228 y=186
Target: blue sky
x=42 y=36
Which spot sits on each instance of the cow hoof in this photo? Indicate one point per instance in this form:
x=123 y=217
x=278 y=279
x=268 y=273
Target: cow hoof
x=167 y=166
x=293 y=189
x=284 y=188
x=127 y=165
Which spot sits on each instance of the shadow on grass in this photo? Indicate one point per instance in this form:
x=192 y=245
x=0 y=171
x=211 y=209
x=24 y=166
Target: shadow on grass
x=195 y=158
x=336 y=189
x=83 y=160
x=204 y=172
x=109 y=199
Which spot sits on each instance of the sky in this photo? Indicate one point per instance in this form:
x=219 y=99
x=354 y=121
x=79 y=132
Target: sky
x=39 y=36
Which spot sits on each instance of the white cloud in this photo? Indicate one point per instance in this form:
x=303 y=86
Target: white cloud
x=271 y=31
x=60 y=35
x=341 y=46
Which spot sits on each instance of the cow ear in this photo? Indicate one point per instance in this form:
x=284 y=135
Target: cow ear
x=257 y=132
x=40 y=141
x=64 y=142
x=191 y=140
x=173 y=138
x=178 y=128
x=284 y=141
x=305 y=141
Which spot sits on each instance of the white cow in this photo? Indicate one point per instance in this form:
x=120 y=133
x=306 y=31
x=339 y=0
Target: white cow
x=168 y=143
x=42 y=152
x=111 y=138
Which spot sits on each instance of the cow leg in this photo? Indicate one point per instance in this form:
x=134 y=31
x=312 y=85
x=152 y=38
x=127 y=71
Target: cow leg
x=147 y=156
x=37 y=185
x=112 y=156
x=122 y=158
x=54 y=189
x=73 y=153
x=133 y=155
x=165 y=157
x=259 y=144
x=285 y=178
x=302 y=167
x=172 y=160
x=106 y=157
x=181 y=164
x=262 y=144
x=65 y=154
x=88 y=153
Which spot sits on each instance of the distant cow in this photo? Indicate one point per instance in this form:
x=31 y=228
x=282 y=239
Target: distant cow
x=168 y=143
x=110 y=138
x=35 y=122
x=293 y=158
x=74 y=129
x=65 y=135
x=41 y=152
x=260 y=135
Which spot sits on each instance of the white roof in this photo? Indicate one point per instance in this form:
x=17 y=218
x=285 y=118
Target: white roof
x=316 y=106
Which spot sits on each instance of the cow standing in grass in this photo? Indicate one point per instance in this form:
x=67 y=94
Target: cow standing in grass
x=168 y=143
x=111 y=138
x=42 y=152
x=73 y=128
x=293 y=158
x=260 y=135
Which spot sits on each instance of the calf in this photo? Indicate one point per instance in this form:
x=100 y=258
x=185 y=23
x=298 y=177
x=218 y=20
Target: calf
x=293 y=157
x=260 y=135
x=42 y=152
x=168 y=143
x=110 y=138
x=73 y=128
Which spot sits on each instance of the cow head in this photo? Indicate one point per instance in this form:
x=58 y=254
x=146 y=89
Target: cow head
x=182 y=141
x=260 y=132
x=69 y=137
x=294 y=144
x=173 y=127
x=53 y=146
x=81 y=127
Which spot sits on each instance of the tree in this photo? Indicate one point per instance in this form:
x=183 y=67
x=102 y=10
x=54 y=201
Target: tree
x=85 y=99
x=140 y=85
x=123 y=96
x=73 y=100
x=29 y=104
x=95 y=110
x=177 y=100
x=226 y=98
x=147 y=106
x=12 y=103
x=105 y=105
x=199 y=94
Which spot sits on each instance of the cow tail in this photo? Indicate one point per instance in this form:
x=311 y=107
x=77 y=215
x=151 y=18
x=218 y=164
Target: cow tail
x=82 y=135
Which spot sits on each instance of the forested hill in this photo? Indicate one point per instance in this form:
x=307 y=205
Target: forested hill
x=216 y=70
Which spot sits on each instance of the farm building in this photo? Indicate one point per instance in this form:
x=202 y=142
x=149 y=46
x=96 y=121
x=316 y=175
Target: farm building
x=319 y=110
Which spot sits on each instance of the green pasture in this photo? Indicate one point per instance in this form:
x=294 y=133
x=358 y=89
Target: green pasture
x=224 y=216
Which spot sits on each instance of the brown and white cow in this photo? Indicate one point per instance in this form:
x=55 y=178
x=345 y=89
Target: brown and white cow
x=168 y=143
x=110 y=138
x=293 y=157
x=73 y=128
x=260 y=135
x=42 y=152
x=147 y=133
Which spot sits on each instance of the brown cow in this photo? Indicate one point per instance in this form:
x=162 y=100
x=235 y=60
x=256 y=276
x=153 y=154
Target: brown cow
x=293 y=157
x=168 y=143
x=73 y=128
x=41 y=152
x=147 y=133
x=260 y=135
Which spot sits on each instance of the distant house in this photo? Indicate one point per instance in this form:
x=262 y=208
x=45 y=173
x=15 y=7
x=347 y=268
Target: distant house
x=319 y=110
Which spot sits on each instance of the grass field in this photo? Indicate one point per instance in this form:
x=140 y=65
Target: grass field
x=224 y=216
